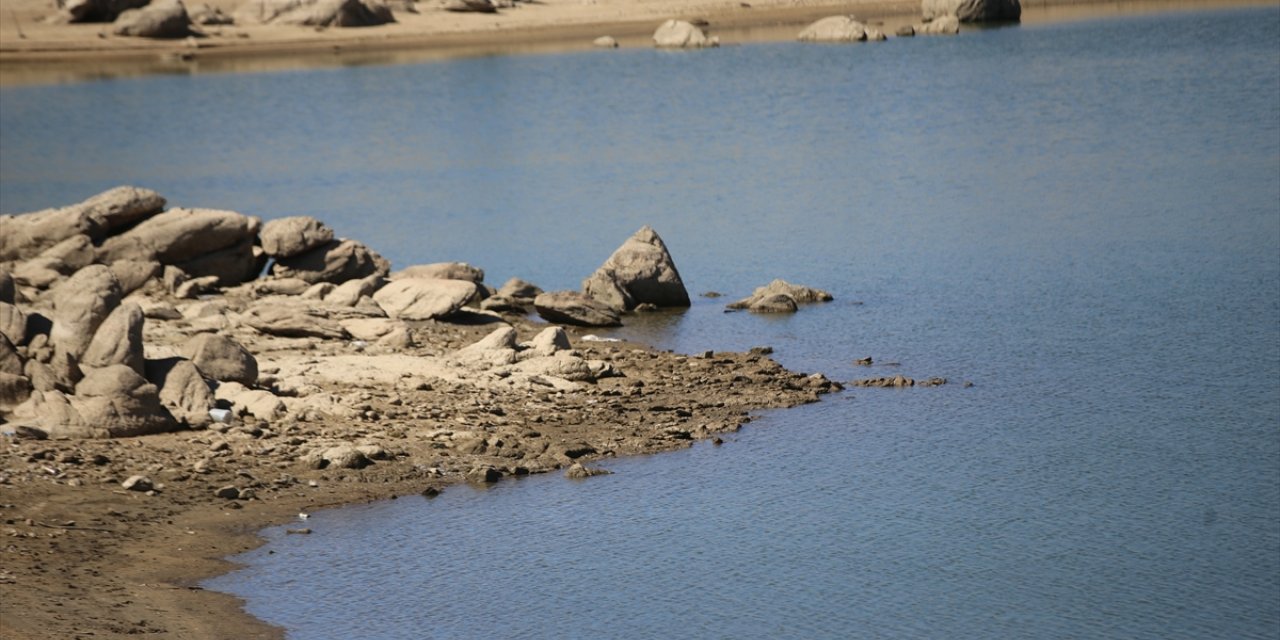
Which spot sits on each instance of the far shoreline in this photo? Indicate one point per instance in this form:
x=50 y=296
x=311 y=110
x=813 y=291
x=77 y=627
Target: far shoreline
x=80 y=53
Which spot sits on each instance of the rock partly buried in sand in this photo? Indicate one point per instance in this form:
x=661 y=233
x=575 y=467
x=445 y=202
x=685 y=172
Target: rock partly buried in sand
x=942 y=26
x=183 y=391
x=470 y=6
x=973 y=10
x=769 y=298
x=834 y=29
x=28 y=235
x=316 y=13
x=605 y=42
x=336 y=261
x=441 y=271
x=679 y=34
x=118 y=340
x=640 y=271
x=424 y=299
x=288 y=237
x=221 y=358
x=275 y=318
x=159 y=19
x=96 y=10
x=571 y=307
x=80 y=305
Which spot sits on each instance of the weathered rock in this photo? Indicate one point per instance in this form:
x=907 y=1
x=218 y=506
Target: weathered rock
x=286 y=287
x=183 y=391
x=470 y=6
x=159 y=19
x=133 y=274
x=424 y=299
x=137 y=483
x=973 y=10
x=834 y=29
x=13 y=324
x=10 y=361
x=180 y=235
x=442 y=271
x=14 y=390
x=259 y=403
x=335 y=261
x=196 y=287
x=548 y=342
x=230 y=266
x=80 y=305
x=680 y=34
x=204 y=14
x=875 y=35
x=940 y=26
x=578 y=471
x=798 y=293
x=109 y=402
x=221 y=358
x=776 y=303
x=897 y=381
x=640 y=271
x=371 y=329
x=340 y=457
x=496 y=349
x=605 y=42
x=519 y=290
x=8 y=293
x=27 y=235
x=349 y=293
x=905 y=31
x=316 y=13
x=118 y=340
x=483 y=474
x=563 y=365
x=96 y=10
x=288 y=237
x=571 y=307
x=292 y=321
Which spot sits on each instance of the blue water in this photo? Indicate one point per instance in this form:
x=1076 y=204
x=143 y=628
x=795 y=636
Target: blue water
x=1082 y=219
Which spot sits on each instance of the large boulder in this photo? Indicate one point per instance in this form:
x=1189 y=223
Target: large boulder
x=231 y=266
x=118 y=340
x=221 y=358
x=80 y=304
x=571 y=307
x=834 y=29
x=424 y=298
x=132 y=274
x=288 y=237
x=973 y=10
x=159 y=19
x=679 y=34
x=292 y=321
x=27 y=235
x=336 y=261
x=442 y=271
x=183 y=391
x=641 y=271
x=317 y=13
x=180 y=235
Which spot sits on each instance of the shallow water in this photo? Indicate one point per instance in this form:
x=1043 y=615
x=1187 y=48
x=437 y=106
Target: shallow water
x=1082 y=219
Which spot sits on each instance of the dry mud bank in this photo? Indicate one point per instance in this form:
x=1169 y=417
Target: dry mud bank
x=315 y=388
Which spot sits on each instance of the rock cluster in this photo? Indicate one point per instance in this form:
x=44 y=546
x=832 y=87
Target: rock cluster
x=681 y=34
x=780 y=296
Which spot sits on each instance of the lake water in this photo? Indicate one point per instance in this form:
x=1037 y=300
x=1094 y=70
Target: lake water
x=1082 y=219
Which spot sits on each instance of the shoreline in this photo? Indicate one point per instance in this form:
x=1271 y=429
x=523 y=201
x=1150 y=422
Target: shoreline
x=68 y=53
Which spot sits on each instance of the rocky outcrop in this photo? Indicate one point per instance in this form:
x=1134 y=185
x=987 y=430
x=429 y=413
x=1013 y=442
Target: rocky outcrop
x=288 y=237
x=111 y=402
x=221 y=358
x=571 y=307
x=834 y=29
x=773 y=298
x=941 y=26
x=679 y=34
x=118 y=340
x=442 y=271
x=28 y=235
x=316 y=13
x=183 y=391
x=191 y=239
x=424 y=299
x=336 y=261
x=973 y=10
x=81 y=304
x=159 y=19
x=641 y=271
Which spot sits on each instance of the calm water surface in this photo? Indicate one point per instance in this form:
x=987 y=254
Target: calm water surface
x=1082 y=219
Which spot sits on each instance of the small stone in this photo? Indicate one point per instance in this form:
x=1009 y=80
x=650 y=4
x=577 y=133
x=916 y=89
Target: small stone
x=228 y=492
x=137 y=483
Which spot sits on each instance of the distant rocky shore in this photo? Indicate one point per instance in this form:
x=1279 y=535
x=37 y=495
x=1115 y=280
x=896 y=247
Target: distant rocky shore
x=167 y=371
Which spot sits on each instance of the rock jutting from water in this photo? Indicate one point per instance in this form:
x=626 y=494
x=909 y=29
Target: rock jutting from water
x=780 y=296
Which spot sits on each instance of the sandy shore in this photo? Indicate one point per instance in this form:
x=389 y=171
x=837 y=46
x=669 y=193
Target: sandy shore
x=32 y=50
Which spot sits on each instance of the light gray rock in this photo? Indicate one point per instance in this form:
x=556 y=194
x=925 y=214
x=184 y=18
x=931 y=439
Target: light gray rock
x=834 y=29
x=349 y=293
x=875 y=35
x=182 y=390
x=110 y=402
x=284 y=286
x=442 y=271
x=424 y=299
x=315 y=13
x=605 y=42
x=164 y=19
x=118 y=340
x=496 y=349
x=288 y=237
x=80 y=305
x=221 y=358
x=774 y=303
x=13 y=324
x=519 y=290
x=133 y=274
x=679 y=34
x=798 y=293
x=371 y=329
x=336 y=261
x=571 y=307
x=180 y=235
x=26 y=236
x=548 y=342
x=343 y=456
x=941 y=26
x=292 y=321
x=10 y=362
x=973 y=10
x=641 y=271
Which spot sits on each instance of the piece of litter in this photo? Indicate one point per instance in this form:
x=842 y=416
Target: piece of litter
x=220 y=415
x=591 y=337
